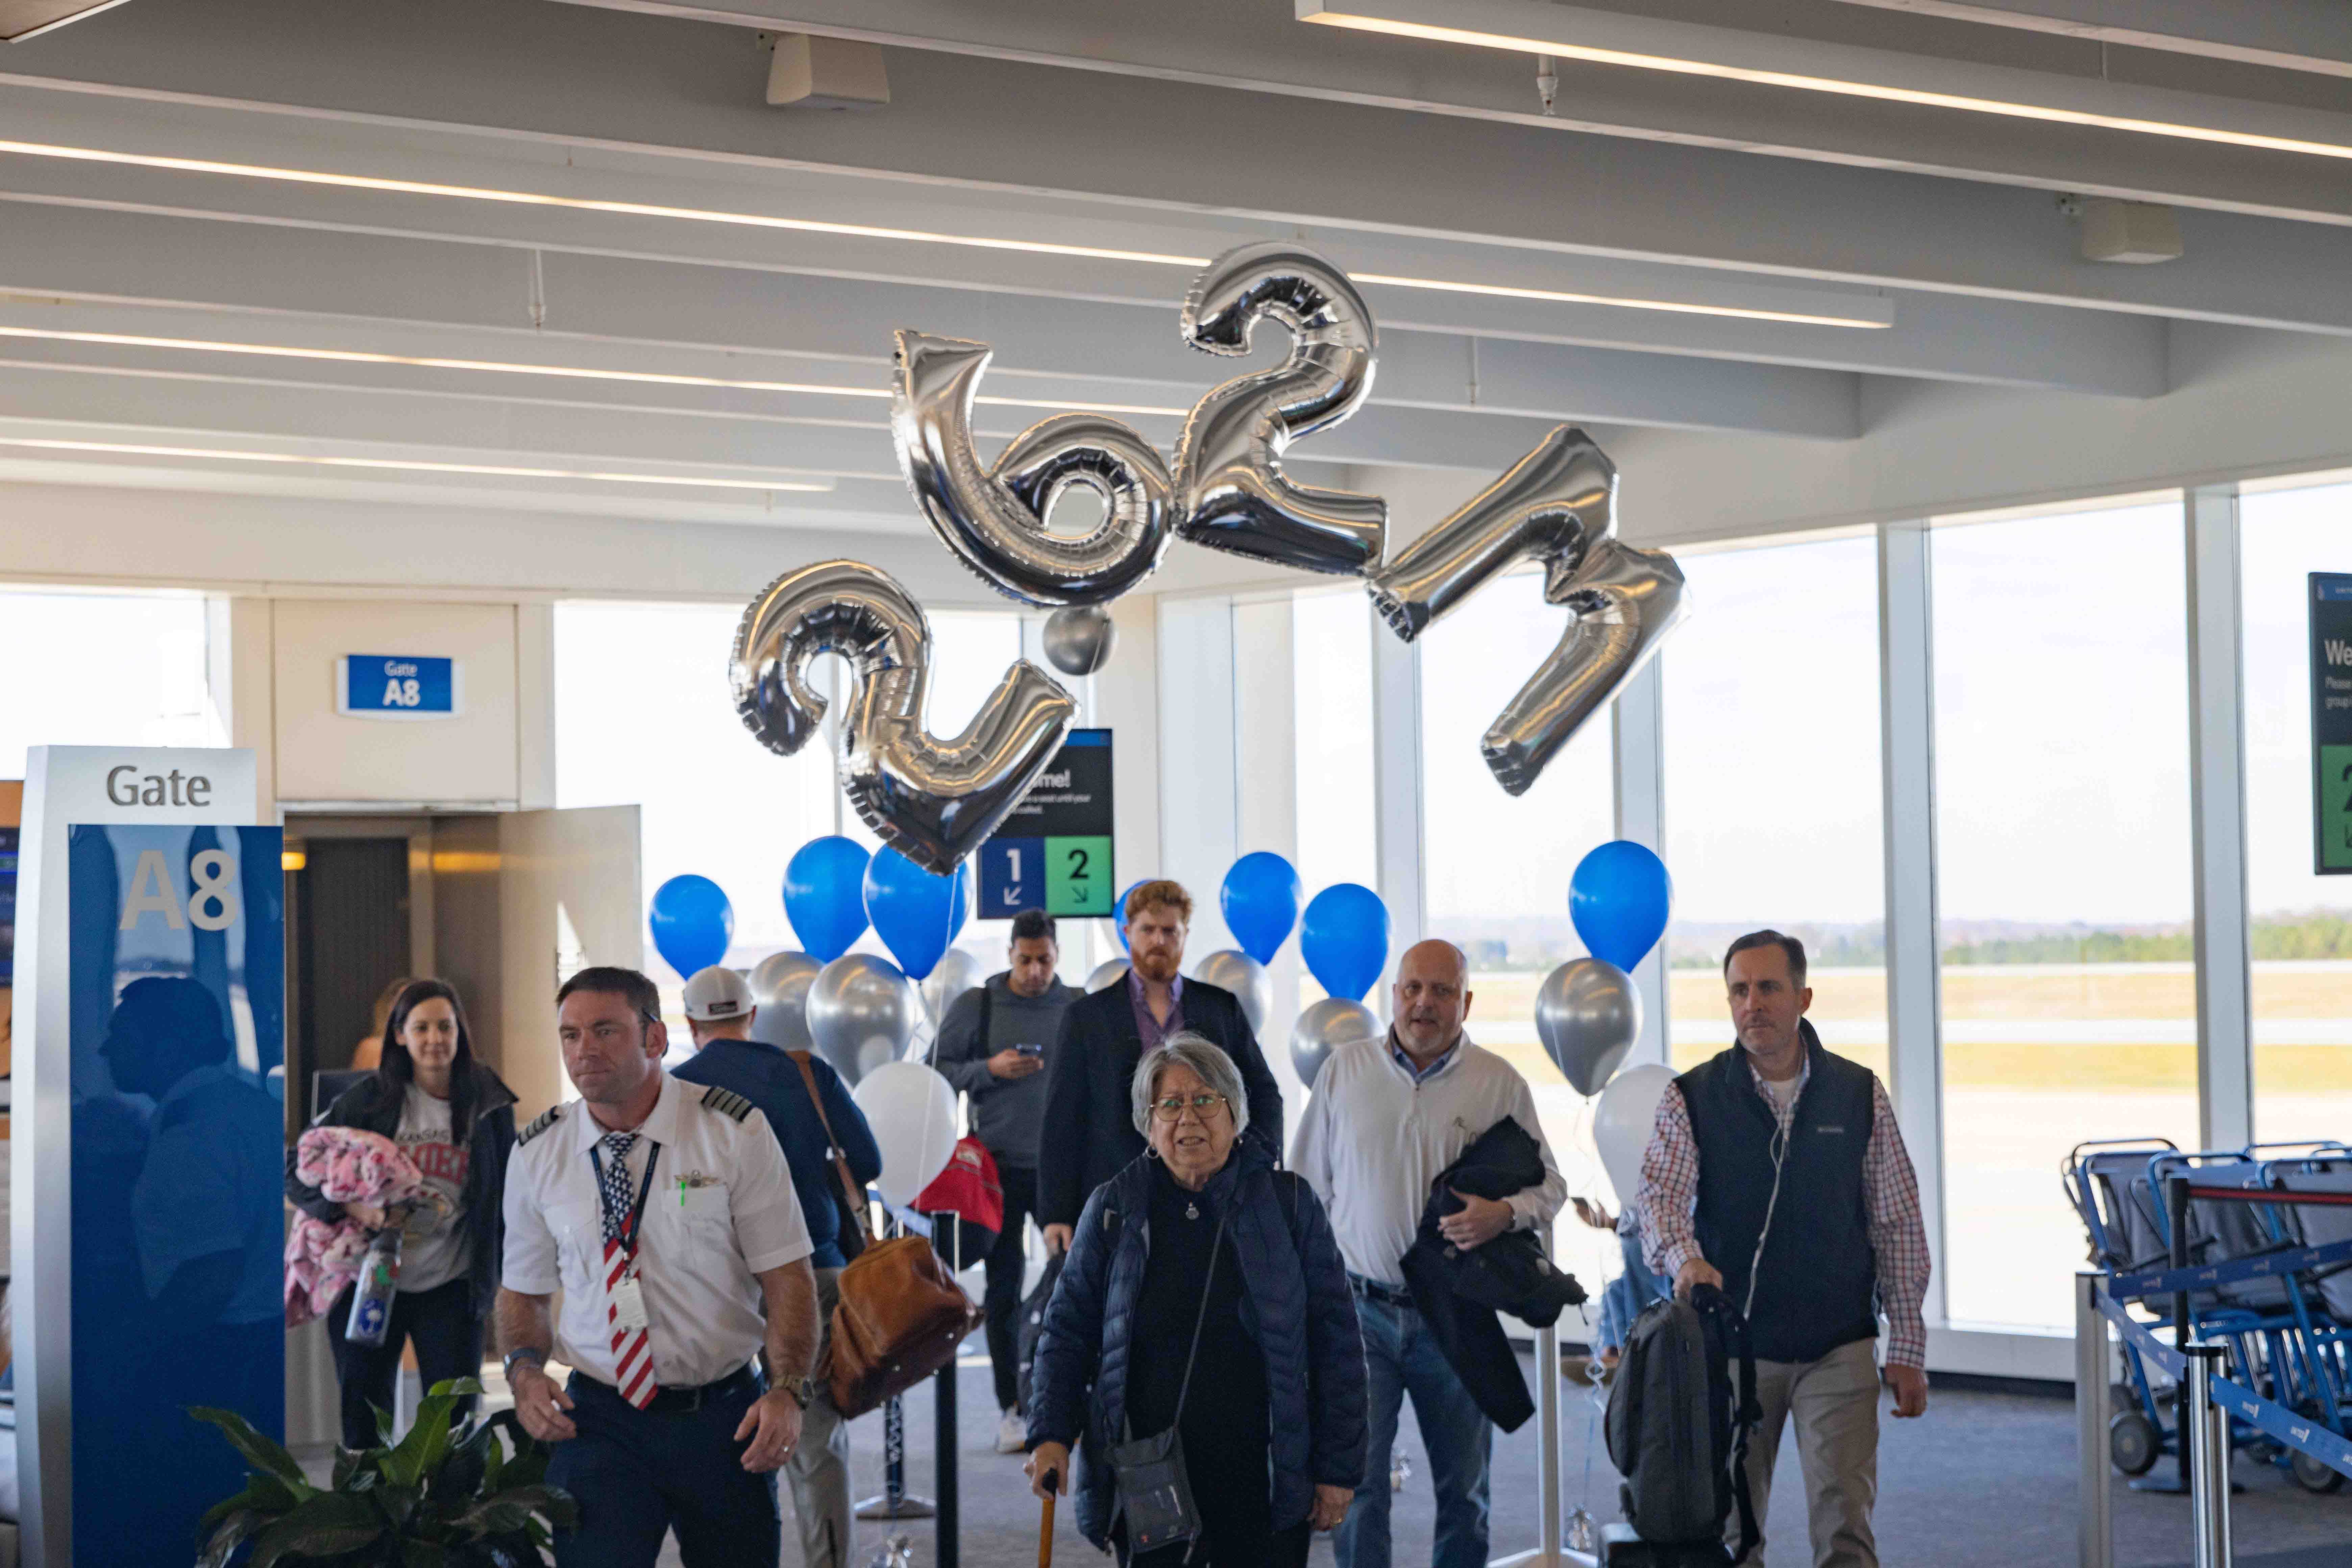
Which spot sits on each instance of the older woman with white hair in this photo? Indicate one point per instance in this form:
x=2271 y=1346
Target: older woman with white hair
x=1204 y=1328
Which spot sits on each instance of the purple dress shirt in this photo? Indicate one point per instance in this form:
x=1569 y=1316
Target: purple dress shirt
x=1148 y=1028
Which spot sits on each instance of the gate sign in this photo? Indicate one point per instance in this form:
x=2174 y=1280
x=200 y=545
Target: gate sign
x=398 y=686
x=1053 y=852
x=2331 y=722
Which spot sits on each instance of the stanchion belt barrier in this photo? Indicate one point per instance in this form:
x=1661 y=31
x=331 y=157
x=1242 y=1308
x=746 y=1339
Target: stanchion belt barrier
x=2167 y=1281
x=2300 y=1433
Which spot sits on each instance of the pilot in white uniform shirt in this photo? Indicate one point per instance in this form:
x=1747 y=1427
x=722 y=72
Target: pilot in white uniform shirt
x=720 y=1208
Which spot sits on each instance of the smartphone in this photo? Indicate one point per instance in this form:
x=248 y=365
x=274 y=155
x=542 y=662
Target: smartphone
x=1031 y=1050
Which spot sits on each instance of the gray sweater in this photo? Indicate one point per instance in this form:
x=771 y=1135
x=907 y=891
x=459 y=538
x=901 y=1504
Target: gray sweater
x=1009 y=1111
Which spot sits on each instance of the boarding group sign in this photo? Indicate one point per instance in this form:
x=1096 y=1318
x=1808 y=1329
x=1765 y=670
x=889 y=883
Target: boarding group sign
x=2331 y=722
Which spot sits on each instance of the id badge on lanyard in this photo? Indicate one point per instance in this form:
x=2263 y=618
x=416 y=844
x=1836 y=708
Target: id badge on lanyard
x=628 y=1292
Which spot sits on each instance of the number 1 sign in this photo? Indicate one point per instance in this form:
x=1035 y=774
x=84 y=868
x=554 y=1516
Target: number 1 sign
x=1054 y=851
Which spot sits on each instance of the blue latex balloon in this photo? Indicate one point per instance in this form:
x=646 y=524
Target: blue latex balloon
x=1118 y=914
x=824 y=896
x=692 y=922
x=1345 y=940
x=915 y=913
x=1260 y=900
x=1619 y=898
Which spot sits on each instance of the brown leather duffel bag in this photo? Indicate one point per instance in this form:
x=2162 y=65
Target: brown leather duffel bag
x=900 y=1319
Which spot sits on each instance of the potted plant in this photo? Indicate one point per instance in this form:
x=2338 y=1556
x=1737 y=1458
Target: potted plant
x=440 y=1498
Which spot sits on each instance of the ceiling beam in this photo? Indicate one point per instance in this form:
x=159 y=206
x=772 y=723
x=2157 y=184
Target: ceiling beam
x=2313 y=36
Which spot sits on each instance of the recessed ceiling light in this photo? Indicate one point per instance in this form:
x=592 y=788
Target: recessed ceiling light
x=493 y=470
x=1547 y=31
x=871 y=231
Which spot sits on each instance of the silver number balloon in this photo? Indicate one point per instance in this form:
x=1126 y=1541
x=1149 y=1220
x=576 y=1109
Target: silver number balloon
x=933 y=799
x=1557 y=506
x=1079 y=639
x=861 y=1013
x=1231 y=490
x=1246 y=977
x=994 y=518
x=780 y=988
x=1323 y=1027
x=1587 y=1016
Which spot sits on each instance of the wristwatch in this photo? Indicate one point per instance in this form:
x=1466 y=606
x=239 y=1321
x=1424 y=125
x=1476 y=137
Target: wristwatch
x=802 y=1392
x=530 y=1353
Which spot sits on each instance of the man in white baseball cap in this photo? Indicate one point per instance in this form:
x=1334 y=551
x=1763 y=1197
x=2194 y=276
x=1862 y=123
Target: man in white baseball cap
x=718 y=1006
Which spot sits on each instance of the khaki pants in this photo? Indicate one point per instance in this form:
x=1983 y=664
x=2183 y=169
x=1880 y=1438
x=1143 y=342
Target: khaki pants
x=818 y=1468
x=1834 y=1402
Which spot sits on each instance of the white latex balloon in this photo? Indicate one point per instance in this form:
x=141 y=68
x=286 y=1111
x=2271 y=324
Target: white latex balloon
x=1622 y=1121
x=912 y=1113
x=1246 y=977
x=1107 y=974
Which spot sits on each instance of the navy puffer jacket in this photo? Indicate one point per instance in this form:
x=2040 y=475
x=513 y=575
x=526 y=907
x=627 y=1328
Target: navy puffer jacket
x=1295 y=1305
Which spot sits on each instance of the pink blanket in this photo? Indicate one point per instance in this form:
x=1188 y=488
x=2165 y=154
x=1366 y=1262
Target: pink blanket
x=348 y=1165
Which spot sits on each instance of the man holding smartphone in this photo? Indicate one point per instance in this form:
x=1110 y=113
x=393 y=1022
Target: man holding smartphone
x=993 y=1046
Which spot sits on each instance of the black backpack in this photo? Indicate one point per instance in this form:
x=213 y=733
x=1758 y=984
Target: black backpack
x=1679 y=1420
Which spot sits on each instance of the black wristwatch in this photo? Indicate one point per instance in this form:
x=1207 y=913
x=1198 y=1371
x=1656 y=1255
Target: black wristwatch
x=531 y=1353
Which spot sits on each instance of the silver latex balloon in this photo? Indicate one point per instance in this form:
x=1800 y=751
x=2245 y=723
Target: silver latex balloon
x=932 y=799
x=780 y=987
x=861 y=1013
x=1323 y=1028
x=1558 y=506
x=1079 y=639
x=1110 y=972
x=1246 y=977
x=993 y=519
x=956 y=973
x=1587 y=1016
x=1231 y=491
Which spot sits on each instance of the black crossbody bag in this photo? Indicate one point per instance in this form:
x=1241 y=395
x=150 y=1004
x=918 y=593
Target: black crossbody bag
x=1155 y=1494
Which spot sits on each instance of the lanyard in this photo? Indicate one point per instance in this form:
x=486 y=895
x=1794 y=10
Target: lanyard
x=644 y=1191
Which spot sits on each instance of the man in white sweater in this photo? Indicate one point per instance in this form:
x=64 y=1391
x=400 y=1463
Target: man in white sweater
x=1387 y=1118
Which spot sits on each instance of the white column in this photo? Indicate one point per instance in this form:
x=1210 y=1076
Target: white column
x=1637 y=723
x=1199 y=826
x=1396 y=781
x=1906 y=704
x=1124 y=697
x=1265 y=797
x=2217 y=796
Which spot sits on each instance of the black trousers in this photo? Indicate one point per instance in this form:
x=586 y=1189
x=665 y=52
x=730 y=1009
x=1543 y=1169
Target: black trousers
x=638 y=1474
x=1007 y=1260
x=448 y=1338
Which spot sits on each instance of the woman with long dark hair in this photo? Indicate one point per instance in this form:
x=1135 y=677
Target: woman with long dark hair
x=454 y=1117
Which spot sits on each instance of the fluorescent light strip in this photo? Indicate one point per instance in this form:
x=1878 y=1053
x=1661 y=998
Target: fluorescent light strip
x=1562 y=47
x=869 y=231
x=495 y=470
x=503 y=367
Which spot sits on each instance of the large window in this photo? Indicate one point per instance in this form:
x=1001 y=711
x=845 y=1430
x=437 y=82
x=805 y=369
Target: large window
x=2064 y=879
x=2302 y=922
x=1772 y=785
x=115 y=669
x=1497 y=868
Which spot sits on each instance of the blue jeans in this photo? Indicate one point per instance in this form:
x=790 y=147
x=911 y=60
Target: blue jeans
x=1401 y=1357
x=1627 y=1294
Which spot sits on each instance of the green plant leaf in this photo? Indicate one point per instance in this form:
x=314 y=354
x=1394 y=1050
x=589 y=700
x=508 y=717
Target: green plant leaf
x=265 y=1494
x=419 y=1456
x=266 y=1456
x=516 y=1509
x=423 y=1554
x=230 y=1533
x=458 y=1387
x=325 y=1525
x=383 y=1426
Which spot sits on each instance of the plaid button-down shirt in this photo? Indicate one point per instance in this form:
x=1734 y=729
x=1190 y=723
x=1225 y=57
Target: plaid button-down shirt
x=1890 y=1196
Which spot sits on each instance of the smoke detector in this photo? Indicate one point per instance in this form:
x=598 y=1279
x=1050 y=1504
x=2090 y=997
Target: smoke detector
x=812 y=72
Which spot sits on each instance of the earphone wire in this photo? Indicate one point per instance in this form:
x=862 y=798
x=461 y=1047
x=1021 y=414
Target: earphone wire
x=1780 y=1157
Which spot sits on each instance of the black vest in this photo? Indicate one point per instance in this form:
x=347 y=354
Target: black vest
x=1817 y=1278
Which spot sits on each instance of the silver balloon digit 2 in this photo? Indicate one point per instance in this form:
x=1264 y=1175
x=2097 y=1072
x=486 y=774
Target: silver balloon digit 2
x=933 y=799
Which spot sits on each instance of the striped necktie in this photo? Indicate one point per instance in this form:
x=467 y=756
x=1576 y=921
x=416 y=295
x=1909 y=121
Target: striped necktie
x=631 y=1352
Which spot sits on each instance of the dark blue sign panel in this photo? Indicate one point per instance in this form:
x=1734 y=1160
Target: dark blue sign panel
x=2331 y=722
x=178 y=1033
x=398 y=686
x=1054 y=851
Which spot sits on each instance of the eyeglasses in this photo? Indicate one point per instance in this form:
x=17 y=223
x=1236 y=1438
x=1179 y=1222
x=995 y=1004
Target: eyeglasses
x=1200 y=1105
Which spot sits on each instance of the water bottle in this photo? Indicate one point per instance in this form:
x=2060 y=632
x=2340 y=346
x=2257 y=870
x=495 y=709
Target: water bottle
x=372 y=1297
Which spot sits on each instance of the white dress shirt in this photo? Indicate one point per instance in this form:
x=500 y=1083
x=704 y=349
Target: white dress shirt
x=721 y=1210
x=1375 y=1137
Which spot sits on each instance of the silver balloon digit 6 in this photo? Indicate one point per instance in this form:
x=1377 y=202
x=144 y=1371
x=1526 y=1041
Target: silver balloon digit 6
x=993 y=519
x=1231 y=491
x=935 y=800
x=1557 y=505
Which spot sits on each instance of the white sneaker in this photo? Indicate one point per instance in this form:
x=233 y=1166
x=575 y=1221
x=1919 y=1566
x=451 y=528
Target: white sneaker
x=1012 y=1433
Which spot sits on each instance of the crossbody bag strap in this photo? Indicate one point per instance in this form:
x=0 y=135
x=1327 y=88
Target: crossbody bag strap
x=1216 y=1248
x=850 y=1191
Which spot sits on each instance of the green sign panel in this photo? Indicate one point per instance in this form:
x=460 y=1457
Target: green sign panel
x=2331 y=722
x=1078 y=875
x=1053 y=852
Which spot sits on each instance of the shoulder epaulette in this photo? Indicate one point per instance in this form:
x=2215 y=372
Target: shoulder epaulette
x=727 y=1102
x=547 y=1119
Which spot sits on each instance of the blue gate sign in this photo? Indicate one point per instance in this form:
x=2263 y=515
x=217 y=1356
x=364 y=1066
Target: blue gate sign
x=398 y=686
